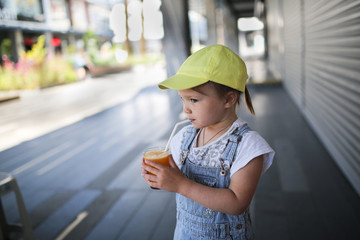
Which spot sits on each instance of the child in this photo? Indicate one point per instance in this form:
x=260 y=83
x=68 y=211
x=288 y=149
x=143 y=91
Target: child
x=217 y=161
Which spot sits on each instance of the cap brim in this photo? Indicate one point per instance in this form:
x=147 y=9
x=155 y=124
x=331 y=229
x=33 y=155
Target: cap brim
x=181 y=82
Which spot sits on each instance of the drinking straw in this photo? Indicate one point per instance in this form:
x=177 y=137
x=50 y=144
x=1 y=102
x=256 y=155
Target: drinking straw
x=173 y=133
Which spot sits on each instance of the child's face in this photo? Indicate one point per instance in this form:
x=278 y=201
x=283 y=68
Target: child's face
x=203 y=106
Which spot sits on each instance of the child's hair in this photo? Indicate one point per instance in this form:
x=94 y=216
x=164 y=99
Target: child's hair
x=222 y=90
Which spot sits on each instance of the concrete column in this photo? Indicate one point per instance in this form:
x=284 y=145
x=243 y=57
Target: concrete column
x=48 y=46
x=18 y=47
x=177 y=40
x=211 y=22
x=231 y=32
x=72 y=41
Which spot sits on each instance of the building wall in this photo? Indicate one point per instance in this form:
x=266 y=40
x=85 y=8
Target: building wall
x=67 y=20
x=321 y=70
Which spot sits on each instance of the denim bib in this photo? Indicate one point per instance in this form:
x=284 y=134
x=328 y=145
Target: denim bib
x=195 y=221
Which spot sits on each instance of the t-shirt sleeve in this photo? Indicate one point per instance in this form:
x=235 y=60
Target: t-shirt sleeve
x=251 y=146
x=175 y=145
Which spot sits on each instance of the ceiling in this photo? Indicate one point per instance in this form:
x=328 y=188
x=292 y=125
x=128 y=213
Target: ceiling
x=239 y=8
x=244 y=8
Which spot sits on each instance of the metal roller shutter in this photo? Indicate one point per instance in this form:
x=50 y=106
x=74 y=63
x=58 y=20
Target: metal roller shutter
x=332 y=79
x=293 y=49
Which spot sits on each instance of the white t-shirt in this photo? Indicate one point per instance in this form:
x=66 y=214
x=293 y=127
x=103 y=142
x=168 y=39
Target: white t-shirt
x=251 y=146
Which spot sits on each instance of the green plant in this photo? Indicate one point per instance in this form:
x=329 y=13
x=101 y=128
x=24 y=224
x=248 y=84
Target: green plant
x=34 y=70
x=5 y=47
x=57 y=71
x=37 y=53
x=90 y=40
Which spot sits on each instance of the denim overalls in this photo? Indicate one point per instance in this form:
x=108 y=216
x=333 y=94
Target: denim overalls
x=197 y=222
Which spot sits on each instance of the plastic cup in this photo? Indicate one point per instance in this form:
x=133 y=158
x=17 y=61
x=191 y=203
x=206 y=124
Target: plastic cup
x=156 y=154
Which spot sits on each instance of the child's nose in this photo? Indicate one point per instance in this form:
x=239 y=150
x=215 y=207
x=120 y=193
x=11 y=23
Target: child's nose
x=186 y=109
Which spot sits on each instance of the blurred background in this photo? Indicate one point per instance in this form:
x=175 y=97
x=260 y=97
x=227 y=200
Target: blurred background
x=79 y=103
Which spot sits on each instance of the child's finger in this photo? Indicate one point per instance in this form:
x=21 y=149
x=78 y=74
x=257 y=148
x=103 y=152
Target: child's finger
x=154 y=164
x=149 y=178
x=152 y=167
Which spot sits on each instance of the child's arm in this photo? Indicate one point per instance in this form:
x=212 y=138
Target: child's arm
x=234 y=200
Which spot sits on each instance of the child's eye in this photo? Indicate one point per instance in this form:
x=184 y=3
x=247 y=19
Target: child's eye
x=193 y=100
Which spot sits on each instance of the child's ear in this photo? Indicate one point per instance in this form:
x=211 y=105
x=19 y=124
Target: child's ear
x=230 y=99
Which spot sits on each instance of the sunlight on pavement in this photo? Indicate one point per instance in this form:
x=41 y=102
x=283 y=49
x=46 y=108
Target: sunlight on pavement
x=41 y=111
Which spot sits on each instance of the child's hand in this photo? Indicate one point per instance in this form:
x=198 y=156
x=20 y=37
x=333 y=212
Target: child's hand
x=166 y=178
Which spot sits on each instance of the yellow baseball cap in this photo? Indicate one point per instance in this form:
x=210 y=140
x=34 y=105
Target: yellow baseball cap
x=215 y=63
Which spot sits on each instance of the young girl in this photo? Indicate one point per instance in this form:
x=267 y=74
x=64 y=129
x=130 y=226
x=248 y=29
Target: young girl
x=216 y=161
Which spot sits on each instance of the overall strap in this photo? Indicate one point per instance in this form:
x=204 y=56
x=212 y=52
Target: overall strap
x=189 y=138
x=231 y=146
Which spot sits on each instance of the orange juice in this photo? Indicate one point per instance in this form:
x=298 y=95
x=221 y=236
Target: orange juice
x=156 y=154
x=159 y=156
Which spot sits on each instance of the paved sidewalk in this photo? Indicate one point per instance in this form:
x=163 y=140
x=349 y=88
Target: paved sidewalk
x=38 y=112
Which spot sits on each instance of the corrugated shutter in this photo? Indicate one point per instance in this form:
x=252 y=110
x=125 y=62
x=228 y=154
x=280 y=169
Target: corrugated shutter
x=293 y=50
x=332 y=79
